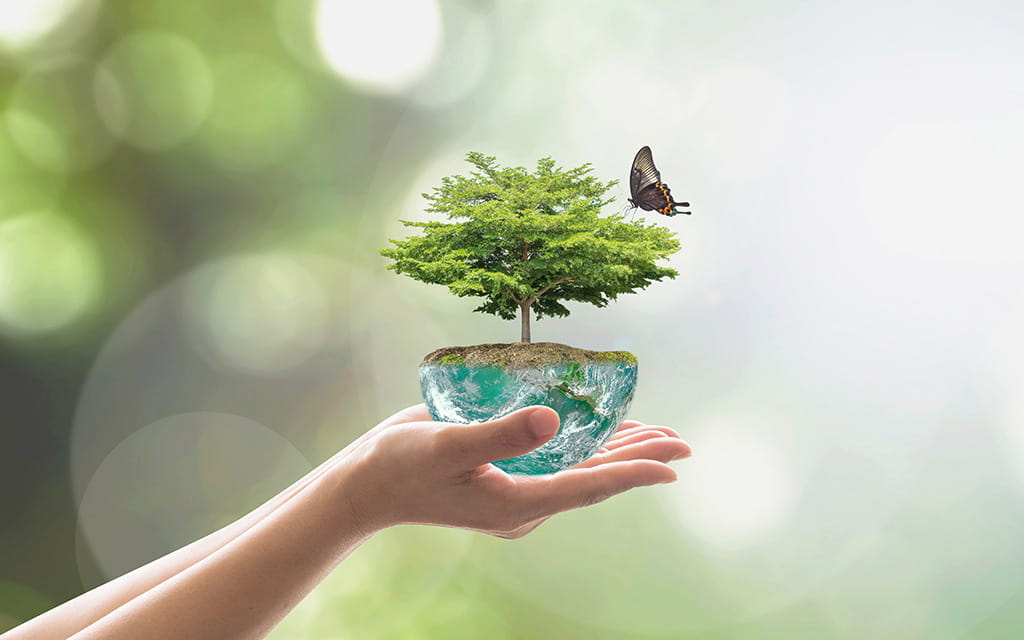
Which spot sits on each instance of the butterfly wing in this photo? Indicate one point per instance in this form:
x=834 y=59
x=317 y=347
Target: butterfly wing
x=646 y=189
x=643 y=174
x=651 y=197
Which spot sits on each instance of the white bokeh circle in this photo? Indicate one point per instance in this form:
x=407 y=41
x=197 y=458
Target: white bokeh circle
x=23 y=24
x=259 y=313
x=161 y=455
x=176 y=480
x=382 y=46
x=740 y=489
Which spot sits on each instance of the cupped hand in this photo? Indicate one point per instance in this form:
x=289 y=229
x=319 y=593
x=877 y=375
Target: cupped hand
x=411 y=470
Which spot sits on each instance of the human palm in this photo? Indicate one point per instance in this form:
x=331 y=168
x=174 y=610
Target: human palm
x=415 y=471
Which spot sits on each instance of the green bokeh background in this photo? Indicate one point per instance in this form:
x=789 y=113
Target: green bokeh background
x=193 y=311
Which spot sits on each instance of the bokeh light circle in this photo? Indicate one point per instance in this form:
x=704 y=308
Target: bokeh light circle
x=259 y=109
x=174 y=481
x=50 y=123
x=739 y=489
x=50 y=273
x=23 y=187
x=382 y=46
x=154 y=371
x=153 y=89
x=161 y=361
x=23 y=23
x=261 y=313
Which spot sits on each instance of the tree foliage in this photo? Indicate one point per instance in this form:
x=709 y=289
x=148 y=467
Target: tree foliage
x=531 y=241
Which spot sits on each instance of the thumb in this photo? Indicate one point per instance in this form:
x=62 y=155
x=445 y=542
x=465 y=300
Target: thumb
x=471 y=445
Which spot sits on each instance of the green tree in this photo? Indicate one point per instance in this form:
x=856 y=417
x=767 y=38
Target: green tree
x=529 y=241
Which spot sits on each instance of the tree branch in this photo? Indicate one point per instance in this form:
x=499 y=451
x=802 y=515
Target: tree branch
x=545 y=289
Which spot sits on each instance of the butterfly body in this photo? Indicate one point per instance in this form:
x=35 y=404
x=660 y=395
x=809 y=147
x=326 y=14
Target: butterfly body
x=646 y=189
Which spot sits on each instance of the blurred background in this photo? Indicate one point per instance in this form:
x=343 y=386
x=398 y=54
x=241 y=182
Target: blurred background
x=193 y=311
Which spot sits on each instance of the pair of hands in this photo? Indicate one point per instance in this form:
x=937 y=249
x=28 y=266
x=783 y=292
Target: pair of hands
x=239 y=581
x=411 y=470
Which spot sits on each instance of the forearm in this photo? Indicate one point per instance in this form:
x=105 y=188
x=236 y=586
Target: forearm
x=243 y=589
x=78 y=613
x=240 y=581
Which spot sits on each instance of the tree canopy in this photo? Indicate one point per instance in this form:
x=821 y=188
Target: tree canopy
x=527 y=241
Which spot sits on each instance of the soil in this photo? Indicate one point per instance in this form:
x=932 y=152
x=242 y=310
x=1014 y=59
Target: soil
x=524 y=355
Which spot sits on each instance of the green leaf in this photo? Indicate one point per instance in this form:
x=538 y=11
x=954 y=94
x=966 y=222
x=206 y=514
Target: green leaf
x=516 y=238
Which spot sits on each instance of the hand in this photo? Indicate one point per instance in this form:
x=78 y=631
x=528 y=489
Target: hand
x=410 y=470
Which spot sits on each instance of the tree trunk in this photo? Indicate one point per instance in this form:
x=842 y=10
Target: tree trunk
x=524 y=313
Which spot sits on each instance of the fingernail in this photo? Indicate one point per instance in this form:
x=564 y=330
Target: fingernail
x=541 y=424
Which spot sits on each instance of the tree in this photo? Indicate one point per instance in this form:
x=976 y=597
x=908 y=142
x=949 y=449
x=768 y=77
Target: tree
x=527 y=241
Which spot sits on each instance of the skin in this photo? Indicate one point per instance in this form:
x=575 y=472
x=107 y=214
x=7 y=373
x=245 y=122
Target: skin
x=240 y=581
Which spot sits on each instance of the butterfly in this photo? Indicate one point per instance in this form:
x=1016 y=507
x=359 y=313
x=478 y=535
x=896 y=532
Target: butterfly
x=646 y=189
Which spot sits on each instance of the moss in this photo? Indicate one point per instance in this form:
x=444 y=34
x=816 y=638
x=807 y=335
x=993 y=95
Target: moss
x=526 y=355
x=616 y=357
x=574 y=373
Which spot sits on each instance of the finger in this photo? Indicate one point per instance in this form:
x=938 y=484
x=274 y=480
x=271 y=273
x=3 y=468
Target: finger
x=636 y=435
x=577 y=488
x=415 y=413
x=626 y=427
x=662 y=449
x=471 y=445
x=632 y=438
x=623 y=432
x=629 y=424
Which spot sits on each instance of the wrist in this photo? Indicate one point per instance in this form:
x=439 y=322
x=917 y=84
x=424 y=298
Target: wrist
x=360 y=499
